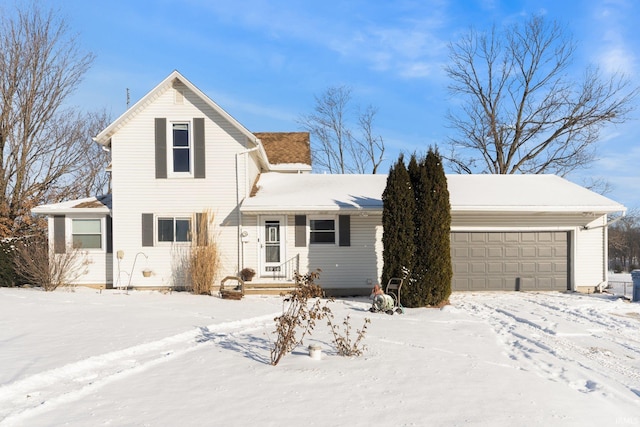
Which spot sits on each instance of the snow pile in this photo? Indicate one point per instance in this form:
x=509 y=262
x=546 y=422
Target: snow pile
x=145 y=358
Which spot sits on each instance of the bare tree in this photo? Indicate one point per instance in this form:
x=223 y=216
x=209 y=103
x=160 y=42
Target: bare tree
x=338 y=145
x=520 y=111
x=624 y=242
x=43 y=148
x=92 y=171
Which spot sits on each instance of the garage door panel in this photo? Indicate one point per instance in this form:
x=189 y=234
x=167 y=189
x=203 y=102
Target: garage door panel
x=510 y=237
x=511 y=267
x=545 y=267
x=545 y=237
x=478 y=252
x=511 y=252
x=495 y=252
x=461 y=252
x=510 y=260
x=495 y=237
x=494 y=267
x=545 y=251
x=560 y=237
x=528 y=267
x=478 y=267
x=479 y=237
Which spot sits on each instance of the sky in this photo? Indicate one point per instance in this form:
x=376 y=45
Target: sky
x=264 y=62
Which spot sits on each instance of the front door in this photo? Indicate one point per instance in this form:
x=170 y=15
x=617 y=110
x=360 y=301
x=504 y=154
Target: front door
x=272 y=245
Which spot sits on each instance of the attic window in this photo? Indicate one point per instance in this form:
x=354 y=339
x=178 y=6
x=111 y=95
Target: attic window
x=181 y=148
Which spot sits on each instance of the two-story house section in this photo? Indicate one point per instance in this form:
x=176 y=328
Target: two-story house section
x=175 y=155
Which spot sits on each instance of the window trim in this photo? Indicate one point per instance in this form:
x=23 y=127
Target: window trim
x=323 y=218
x=101 y=233
x=171 y=173
x=174 y=218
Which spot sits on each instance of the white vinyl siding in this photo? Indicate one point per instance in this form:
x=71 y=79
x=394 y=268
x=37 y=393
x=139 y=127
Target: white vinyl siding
x=357 y=266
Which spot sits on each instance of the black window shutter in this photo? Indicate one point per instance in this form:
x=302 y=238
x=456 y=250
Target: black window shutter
x=201 y=229
x=301 y=230
x=109 y=226
x=147 y=229
x=198 y=145
x=161 y=147
x=59 y=234
x=344 y=224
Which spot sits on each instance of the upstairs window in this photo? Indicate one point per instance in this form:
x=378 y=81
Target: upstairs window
x=181 y=148
x=174 y=229
x=322 y=231
x=86 y=233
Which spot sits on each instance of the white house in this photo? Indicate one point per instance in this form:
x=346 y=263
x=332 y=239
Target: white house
x=176 y=154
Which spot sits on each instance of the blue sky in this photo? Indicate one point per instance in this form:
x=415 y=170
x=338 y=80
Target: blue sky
x=264 y=61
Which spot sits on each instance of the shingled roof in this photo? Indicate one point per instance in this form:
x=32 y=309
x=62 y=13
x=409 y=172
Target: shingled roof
x=97 y=202
x=286 y=147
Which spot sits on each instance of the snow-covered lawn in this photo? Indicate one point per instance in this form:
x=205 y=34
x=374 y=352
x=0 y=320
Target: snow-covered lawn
x=85 y=358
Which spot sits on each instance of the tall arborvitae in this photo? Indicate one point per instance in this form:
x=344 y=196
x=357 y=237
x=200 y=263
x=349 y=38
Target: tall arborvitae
x=416 y=288
x=437 y=217
x=397 y=222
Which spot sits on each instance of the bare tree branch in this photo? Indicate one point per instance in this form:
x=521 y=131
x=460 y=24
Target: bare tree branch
x=44 y=155
x=520 y=112
x=337 y=145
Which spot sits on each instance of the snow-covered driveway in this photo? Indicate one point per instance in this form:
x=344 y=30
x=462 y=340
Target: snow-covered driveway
x=82 y=358
x=584 y=341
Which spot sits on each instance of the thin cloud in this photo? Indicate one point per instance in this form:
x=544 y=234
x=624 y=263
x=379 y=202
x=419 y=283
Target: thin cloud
x=614 y=54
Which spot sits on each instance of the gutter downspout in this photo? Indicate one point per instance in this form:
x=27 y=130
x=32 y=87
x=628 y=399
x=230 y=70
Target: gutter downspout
x=240 y=247
x=605 y=248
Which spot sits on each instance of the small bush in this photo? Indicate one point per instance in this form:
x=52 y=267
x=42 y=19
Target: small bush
x=37 y=265
x=7 y=268
x=346 y=343
x=297 y=319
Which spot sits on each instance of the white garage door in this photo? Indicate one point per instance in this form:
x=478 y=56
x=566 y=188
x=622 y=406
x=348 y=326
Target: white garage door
x=510 y=261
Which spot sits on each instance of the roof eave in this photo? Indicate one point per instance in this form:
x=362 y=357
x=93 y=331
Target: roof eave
x=48 y=210
x=540 y=209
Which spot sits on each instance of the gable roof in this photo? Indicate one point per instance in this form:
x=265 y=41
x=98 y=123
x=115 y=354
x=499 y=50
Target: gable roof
x=104 y=136
x=286 y=147
x=279 y=143
x=468 y=193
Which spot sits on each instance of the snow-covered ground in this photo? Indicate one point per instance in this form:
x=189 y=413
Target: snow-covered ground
x=85 y=358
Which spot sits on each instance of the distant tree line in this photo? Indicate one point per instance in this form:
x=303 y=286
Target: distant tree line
x=624 y=243
x=416 y=220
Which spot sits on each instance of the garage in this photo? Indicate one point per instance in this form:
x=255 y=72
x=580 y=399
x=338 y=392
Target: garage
x=508 y=261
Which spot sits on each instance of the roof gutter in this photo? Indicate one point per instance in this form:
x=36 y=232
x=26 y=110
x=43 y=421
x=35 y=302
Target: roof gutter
x=613 y=221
